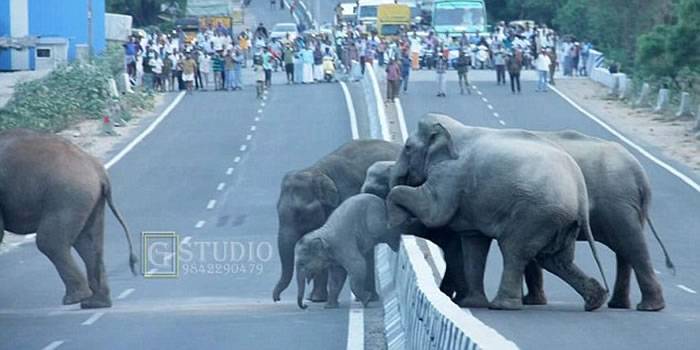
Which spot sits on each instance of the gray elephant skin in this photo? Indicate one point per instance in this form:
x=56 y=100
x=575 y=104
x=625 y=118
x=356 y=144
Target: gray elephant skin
x=508 y=185
x=309 y=196
x=50 y=187
x=344 y=245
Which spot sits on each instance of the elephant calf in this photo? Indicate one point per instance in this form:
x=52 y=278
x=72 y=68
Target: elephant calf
x=52 y=187
x=344 y=245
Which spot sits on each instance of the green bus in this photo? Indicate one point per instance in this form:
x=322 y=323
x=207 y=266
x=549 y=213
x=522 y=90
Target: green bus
x=454 y=17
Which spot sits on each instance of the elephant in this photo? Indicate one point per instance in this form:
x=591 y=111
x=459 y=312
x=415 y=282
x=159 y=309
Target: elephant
x=309 y=196
x=344 y=245
x=508 y=185
x=50 y=187
x=377 y=182
x=620 y=195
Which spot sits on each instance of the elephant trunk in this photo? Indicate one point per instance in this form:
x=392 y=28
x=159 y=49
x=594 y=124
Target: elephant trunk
x=399 y=172
x=286 y=250
x=301 y=285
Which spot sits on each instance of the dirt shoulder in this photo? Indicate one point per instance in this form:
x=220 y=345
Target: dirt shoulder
x=675 y=138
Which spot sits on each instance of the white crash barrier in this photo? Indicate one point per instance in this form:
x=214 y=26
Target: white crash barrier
x=417 y=315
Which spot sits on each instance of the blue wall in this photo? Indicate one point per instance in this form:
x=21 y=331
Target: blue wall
x=68 y=19
x=5 y=56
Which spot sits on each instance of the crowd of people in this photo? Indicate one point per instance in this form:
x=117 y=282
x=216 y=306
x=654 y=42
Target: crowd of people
x=215 y=57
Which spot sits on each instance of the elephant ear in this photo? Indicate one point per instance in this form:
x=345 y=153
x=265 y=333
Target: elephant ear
x=319 y=247
x=326 y=192
x=440 y=145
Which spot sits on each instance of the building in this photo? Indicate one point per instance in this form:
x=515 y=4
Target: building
x=38 y=34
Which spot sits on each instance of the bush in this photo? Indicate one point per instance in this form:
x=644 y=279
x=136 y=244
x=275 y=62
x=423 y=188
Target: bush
x=70 y=93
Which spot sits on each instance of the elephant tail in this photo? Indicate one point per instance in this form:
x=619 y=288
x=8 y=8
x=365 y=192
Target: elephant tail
x=586 y=227
x=669 y=263
x=107 y=191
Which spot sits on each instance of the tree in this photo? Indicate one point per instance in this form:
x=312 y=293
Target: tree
x=144 y=12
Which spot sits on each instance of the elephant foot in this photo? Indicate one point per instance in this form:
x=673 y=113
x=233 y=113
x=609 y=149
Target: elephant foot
x=318 y=297
x=76 y=296
x=506 y=304
x=535 y=299
x=595 y=295
x=473 y=301
x=331 y=305
x=374 y=297
x=651 y=305
x=619 y=303
x=96 y=302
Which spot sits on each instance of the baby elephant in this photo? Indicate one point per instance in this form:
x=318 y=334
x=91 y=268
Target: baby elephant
x=345 y=245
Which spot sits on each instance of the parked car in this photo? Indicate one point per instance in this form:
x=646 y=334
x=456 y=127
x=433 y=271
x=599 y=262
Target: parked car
x=281 y=30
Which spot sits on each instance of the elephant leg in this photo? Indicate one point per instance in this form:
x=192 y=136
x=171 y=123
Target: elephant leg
x=562 y=265
x=2 y=228
x=336 y=280
x=453 y=283
x=90 y=247
x=475 y=249
x=369 y=258
x=320 y=292
x=356 y=267
x=621 y=293
x=510 y=293
x=53 y=239
x=535 y=285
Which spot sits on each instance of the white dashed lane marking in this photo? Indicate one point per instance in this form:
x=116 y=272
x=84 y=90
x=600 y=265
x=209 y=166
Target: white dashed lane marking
x=186 y=240
x=490 y=107
x=478 y=92
x=248 y=137
x=502 y=122
x=125 y=293
x=485 y=99
x=229 y=171
x=257 y=119
x=252 y=128
x=221 y=186
x=211 y=204
x=686 y=289
x=53 y=345
x=96 y=316
x=243 y=148
x=259 y=110
x=200 y=224
x=495 y=114
x=237 y=159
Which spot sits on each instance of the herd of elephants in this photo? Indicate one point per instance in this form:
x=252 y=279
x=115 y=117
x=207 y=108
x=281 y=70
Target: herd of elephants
x=535 y=193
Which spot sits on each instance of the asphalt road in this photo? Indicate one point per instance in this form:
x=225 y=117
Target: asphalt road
x=562 y=323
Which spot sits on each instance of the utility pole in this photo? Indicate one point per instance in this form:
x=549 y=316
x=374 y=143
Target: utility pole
x=318 y=14
x=89 y=29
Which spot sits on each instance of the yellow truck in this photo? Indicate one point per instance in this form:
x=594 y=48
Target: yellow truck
x=392 y=18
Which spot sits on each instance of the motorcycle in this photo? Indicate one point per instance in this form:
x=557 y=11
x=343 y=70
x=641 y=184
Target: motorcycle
x=328 y=69
x=427 y=58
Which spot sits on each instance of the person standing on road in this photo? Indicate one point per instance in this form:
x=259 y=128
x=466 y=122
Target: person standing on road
x=552 y=64
x=189 y=66
x=500 y=63
x=288 y=57
x=217 y=67
x=441 y=70
x=238 y=61
x=307 y=57
x=514 y=63
x=405 y=70
x=462 y=66
x=542 y=65
x=205 y=68
x=267 y=66
x=393 y=80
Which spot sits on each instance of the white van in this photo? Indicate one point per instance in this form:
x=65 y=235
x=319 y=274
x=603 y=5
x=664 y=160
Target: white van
x=367 y=12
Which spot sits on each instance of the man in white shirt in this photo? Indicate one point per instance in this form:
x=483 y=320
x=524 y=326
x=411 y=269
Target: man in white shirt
x=542 y=65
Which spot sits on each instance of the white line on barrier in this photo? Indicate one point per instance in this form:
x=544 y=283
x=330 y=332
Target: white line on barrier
x=687 y=180
x=351 y=111
x=96 y=316
x=146 y=132
x=402 y=120
x=211 y=204
x=54 y=345
x=684 y=288
x=200 y=224
x=229 y=171
x=221 y=186
x=125 y=293
x=438 y=257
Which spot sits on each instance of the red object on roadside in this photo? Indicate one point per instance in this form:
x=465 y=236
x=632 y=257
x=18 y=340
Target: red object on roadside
x=105 y=119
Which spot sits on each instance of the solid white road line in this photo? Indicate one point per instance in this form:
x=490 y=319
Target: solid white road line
x=402 y=120
x=684 y=288
x=96 y=316
x=125 y=293
x=248 y=137
x=221 y=186
x=211 y=204
x=146 y=132
x=351 y=111
x=54 y=345
x=356 y=329
x=229 y=171
x=381 y=112
x=243 y=148
x=252 y=128
x=200 y=224
x=687 y=180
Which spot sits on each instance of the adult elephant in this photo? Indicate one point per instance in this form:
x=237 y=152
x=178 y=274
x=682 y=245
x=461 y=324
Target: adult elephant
x=508 y=185
x=308 y=196
x=50 y=187
x=620 y=195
